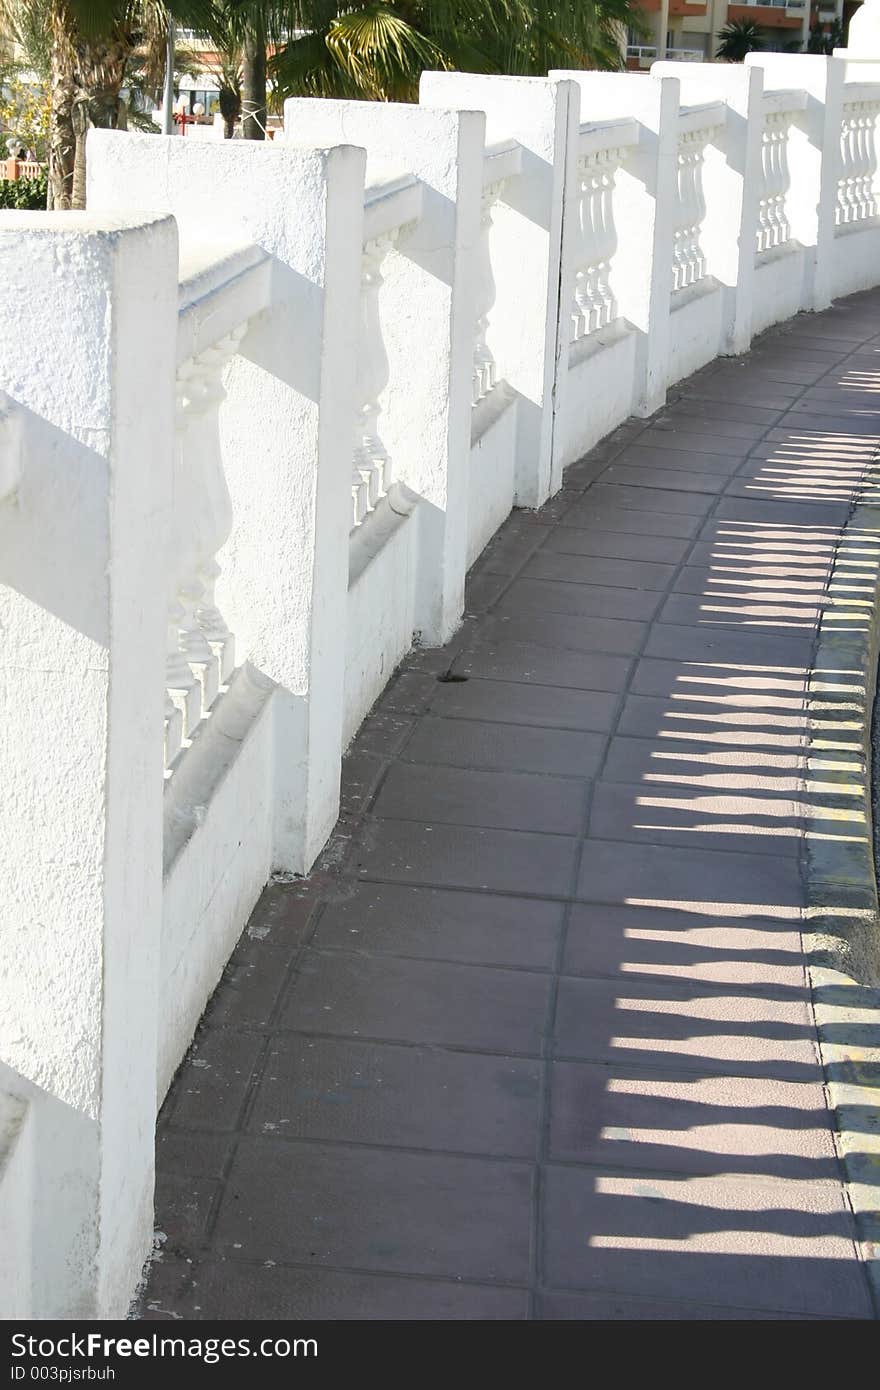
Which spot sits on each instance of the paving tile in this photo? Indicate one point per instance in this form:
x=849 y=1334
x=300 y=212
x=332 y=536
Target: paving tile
x=210 y=1088
x=167 y=1297
x=682 y=421
x=756 y=823
x=780 y=380
x=693 y=879
x=692 y=765
x=482 y=590
x=511 y=547
x=407 y=1097
x=766 y=650
x=724 y=1125
x=474 y=743
x=602 y=515
x=553 y=509
x=509 y=702
x=676 y=480
x=361 y=774
x=185 y=1153
x=752 y=1245
x=384 y=734
x=615 y=544
x=616 y=1307
x=465 y=796
x=419 y=1001
x=815 y=415
x=754 y=611
x=740 y=411
x=580 y=600
x=647 y=459
x=250 y=984
x=378 y=1210
x=477 y=928
x=719 y=683
x=183 y=1210
x=282 y=917
x=504 y=861
x=781 y=486
x=735 y=550
x=827 y=436
x=767 y=399
x=686 y=1028
x=714 y=718
x=667 y=435
x=591 y=569
x=582 y=474
x=615 y=636
x=751 y=579
x=809 y=520
x=410 y=693
x=530 y=662
x=665 y=943
x=229 y=1290
x=641 y=498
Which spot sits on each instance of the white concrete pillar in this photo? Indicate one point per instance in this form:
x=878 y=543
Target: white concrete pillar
x=287 y=426
x=813 y=159
x=731 y=184
x=644 y=207
x=88 y=316
x=429 y=328
x=531 y=222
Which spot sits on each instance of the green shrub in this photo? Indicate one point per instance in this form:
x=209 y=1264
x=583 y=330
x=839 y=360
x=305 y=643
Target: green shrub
x=25 y=194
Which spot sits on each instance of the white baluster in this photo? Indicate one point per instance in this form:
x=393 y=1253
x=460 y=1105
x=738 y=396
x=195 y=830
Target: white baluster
x=593 y=305
x=856 y=188
x=200 y=646
x=216 y=521
x=369 y=478
x=611 y=161
x=688 y=261
x=485 y=371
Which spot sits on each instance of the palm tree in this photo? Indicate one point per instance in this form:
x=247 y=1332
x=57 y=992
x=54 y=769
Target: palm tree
x=739 y=37
x=378 y=48
x=825 y=41
x=89 y=48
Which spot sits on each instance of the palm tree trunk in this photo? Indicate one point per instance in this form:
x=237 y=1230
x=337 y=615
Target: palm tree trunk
x=62 y=140
x=253 y=88
x=80 y=130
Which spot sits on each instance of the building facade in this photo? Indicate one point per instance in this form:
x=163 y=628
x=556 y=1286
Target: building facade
x=687 y=31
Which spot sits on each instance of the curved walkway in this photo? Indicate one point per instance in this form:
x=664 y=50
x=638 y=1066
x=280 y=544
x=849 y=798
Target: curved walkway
x=535 y=1039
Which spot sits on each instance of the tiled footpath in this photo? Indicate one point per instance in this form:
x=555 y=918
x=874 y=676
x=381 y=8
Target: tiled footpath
x=534 y=1040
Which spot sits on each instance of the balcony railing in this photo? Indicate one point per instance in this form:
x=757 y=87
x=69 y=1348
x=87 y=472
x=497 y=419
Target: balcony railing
x=647 y=54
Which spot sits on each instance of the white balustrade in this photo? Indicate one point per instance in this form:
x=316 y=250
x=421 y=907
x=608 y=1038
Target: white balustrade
x=501 y=163
x=857 y=186
x=322 y=364
x=774 y=228
x=485 y=373
x=370 y=465
x=688 y=258
x=200 y=648
x=390 y=209
x=594 y=305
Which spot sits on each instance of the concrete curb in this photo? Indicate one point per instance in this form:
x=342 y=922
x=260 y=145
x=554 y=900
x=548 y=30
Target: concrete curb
x=842 y=920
